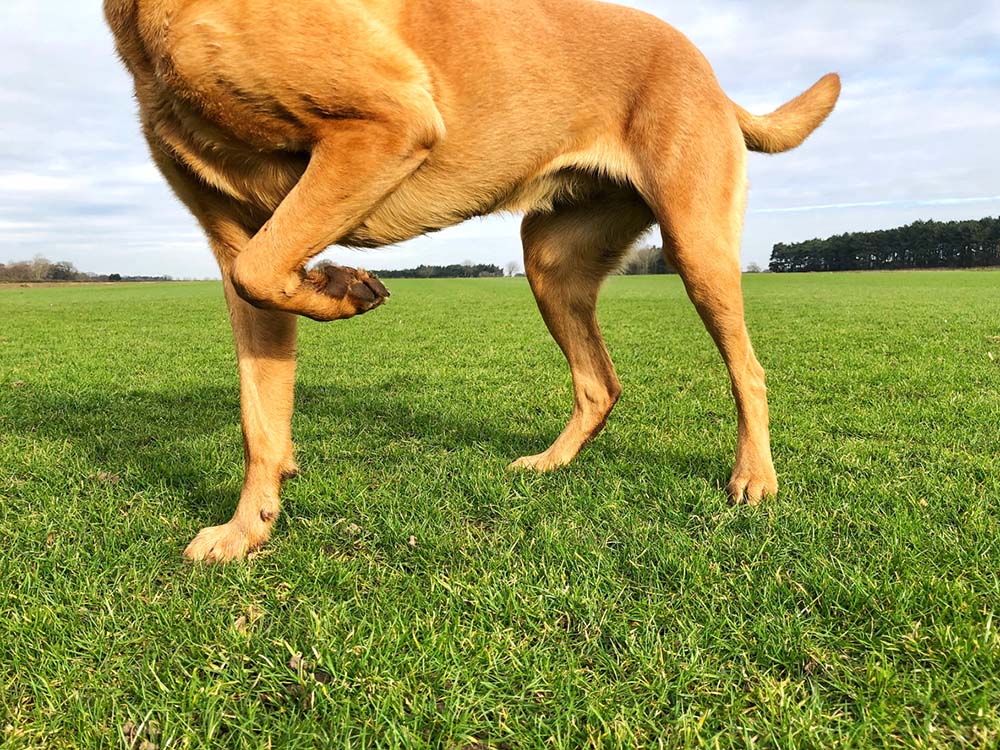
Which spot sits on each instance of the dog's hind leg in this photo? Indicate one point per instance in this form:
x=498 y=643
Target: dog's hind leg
x=567 y=255
x=698 y=195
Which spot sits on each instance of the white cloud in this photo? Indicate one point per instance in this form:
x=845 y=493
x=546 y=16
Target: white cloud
x=26 y=182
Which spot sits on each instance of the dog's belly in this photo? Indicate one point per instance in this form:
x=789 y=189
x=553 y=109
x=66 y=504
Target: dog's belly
x=430 y=203
x=259 y=179
x=451 y=188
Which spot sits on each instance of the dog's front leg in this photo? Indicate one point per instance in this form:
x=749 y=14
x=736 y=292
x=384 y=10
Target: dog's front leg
x=265 y=350
x=265 y=347
x=353 y=166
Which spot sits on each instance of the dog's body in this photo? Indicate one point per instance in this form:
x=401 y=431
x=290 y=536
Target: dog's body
x=288 y=127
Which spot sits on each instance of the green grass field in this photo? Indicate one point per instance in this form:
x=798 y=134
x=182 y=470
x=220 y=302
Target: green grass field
x=438 y=601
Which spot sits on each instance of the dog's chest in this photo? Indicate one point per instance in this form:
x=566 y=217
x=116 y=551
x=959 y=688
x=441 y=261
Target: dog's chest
x=259 y=177
x=223 y=139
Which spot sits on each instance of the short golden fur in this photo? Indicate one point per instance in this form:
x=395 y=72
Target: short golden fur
x=288 y=127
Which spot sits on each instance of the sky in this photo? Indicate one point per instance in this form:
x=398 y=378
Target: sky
x=915 y=135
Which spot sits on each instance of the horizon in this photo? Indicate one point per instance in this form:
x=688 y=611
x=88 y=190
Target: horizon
x=910 y=140
x=506 y=271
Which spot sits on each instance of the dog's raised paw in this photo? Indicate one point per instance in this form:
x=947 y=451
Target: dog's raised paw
x=355 y=287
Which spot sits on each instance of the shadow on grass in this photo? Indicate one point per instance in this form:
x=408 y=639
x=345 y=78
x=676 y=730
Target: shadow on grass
x=163 y=439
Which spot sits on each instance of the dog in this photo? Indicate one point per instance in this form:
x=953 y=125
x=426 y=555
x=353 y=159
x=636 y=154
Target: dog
x=289 y=127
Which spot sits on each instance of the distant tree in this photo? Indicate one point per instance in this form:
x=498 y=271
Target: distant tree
x=115 y=277
x=23 y=270
x=513 y=268
x=61 y=271
x=36 y=269
x=754 y=268
x=646 y=260
x=39 y=268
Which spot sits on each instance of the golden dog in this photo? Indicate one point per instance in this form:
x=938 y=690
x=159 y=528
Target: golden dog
x=287 y=127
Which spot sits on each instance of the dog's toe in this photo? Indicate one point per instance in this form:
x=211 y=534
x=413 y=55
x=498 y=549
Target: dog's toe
x=377 y=286
x=356 y=288
x=750 y=490
x=543 y=462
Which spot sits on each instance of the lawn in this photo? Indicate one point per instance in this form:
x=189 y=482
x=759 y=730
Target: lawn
x=418 y=595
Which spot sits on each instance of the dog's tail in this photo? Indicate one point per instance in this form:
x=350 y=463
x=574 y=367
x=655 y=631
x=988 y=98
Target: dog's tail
x=786 y=128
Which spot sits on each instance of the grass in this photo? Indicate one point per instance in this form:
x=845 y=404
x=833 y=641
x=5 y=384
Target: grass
x=417 y=595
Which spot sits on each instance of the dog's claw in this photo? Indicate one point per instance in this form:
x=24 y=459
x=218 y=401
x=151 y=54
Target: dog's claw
x=378 y=287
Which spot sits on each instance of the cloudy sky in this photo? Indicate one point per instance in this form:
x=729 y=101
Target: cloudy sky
x=915 y=135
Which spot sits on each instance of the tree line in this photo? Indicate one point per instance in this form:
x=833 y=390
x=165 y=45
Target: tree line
x=922 y=244
x=644 y=261
x=455 y=271
x=41 y=269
